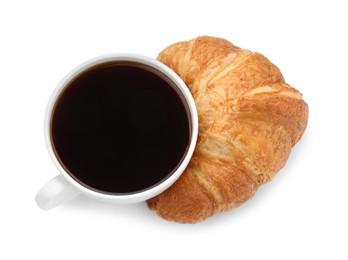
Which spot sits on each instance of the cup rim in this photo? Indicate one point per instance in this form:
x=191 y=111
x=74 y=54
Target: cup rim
x=129 y=57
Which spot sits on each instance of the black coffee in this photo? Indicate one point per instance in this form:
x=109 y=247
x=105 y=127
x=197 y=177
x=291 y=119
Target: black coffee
x=120 y=128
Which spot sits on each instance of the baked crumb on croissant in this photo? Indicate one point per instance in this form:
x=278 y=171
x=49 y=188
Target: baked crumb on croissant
x=249 y=119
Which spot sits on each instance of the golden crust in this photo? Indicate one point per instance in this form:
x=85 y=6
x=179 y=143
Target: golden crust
x=249 y=119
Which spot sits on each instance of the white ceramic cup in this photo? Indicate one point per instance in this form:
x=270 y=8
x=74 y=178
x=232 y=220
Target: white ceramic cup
x=63 y=187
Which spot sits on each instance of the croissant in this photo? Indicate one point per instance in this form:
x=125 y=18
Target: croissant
x=249 y=119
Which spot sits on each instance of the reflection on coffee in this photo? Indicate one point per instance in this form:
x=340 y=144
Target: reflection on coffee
x=120 y=127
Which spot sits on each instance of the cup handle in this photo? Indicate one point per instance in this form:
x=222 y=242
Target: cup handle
x=55 y=192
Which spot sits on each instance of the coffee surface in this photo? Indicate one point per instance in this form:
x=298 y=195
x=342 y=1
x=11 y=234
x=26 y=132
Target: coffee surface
x=120 y=128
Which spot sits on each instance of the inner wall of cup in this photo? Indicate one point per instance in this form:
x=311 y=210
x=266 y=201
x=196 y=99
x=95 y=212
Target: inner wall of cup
x=147 y=67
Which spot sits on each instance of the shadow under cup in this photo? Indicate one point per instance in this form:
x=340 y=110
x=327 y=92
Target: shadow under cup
x=120 y=127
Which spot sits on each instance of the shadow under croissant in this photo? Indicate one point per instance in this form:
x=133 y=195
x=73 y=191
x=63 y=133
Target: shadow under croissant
x=140 y=212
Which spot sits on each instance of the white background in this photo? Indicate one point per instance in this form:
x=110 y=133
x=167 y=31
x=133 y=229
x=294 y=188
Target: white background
x=301 y=214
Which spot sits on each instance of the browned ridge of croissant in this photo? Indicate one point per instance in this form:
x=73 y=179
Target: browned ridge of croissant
x=249 y=119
